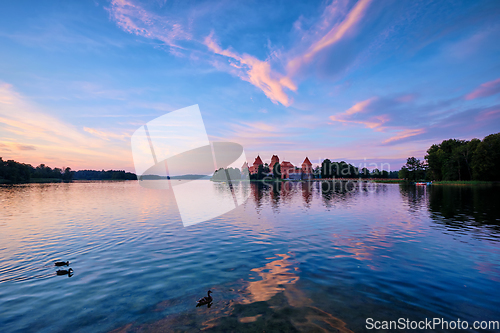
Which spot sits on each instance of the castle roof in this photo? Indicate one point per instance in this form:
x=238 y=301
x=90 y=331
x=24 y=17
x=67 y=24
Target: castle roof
x=258 y=161
x=286 y=164
x=306 y=161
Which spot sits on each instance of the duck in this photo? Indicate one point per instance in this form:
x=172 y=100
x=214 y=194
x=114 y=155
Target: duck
x=205 y=300
x=65 y=272
x=61 y=263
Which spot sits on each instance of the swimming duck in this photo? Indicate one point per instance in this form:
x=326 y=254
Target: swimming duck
x=205 y=300
x=65 y=272
x=62 y=263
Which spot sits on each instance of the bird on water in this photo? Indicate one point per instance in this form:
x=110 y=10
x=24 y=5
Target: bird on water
x=205 y=300
x=68 y=272
x=62 y=263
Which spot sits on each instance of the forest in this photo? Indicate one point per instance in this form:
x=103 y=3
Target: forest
x=13 y=172
x=457 y=160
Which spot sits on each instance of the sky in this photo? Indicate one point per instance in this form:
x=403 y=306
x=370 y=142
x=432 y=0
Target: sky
x=361 y=81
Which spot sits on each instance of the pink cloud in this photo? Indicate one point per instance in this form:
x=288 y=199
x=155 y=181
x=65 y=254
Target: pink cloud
x=32 y=136
x=406 y=98
x=106 y=135
x=7 y=96
x=488 y=115
x=348 y=116
x=257 y=72
x=405 y=134
x=136 y=20
x=485 y=90
x=333 y=36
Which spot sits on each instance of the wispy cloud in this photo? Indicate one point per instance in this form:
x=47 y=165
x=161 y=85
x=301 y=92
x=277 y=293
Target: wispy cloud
x=136 y=20
x=404 y=134
x=405 y=119
x=485 y=90
x=133 y=18
x=106 y=135
x=351 y=115
x=333 y=36
x=29 y=135
x=13 y=146
x=257 y=72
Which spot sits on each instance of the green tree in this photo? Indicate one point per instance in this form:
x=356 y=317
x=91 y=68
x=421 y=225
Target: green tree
x=260 y=172
x=467 y=152
x=416 y=169
x=364 y=173
x=434 y=160
x=486 y=159
x=326 y=169
x=403 y=173
x=1 y=169
x=68 y=174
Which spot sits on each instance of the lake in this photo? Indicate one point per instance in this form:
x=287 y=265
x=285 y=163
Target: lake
x=305 y=256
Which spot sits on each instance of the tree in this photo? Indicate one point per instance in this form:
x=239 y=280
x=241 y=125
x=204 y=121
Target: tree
x=434 y=160
x=449 y=159
x=415 y=169
x=1 y=168
x=317 y=172
x=364 y=173
x=326 y=169
x=260 y=172
x=403 y=173
x=467 y=152
x=68 y=174
x=486 y=159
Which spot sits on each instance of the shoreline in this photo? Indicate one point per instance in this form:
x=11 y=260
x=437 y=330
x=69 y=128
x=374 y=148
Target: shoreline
x=56 y=180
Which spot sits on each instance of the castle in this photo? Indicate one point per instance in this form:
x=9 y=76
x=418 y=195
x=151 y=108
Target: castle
x=288 y=170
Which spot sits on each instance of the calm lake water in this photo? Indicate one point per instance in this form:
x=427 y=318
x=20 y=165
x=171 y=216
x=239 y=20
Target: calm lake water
x=293 y=257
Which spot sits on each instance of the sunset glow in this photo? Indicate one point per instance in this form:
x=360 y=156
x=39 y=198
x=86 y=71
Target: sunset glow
x=346 y=80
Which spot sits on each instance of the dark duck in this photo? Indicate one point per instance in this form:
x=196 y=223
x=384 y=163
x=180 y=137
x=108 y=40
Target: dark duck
x=205 y=300
x=62 y=263
x=68 y=272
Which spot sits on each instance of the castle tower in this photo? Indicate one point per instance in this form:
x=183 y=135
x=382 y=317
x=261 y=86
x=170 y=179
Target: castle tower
x=307 y=166
x=275 y=159
x=255 y=167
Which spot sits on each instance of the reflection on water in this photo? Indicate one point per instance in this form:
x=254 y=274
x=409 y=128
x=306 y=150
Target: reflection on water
x=271 y=279
x=304 y=256
x=471 y=209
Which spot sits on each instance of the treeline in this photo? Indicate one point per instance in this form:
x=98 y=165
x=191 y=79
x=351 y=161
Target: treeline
x=222 y=174
x=15 y=172
x=103 y=175
x=343 y=169
x=457 y=160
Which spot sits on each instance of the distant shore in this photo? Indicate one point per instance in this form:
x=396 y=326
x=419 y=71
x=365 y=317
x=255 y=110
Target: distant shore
x=465 y=182
x=57 y=180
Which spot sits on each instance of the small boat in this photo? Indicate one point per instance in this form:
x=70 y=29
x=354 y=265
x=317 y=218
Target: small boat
x=61 y=263
x=205 y=300
x=423 y=183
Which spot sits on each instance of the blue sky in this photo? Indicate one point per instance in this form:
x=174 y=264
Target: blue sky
x=360 y=81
